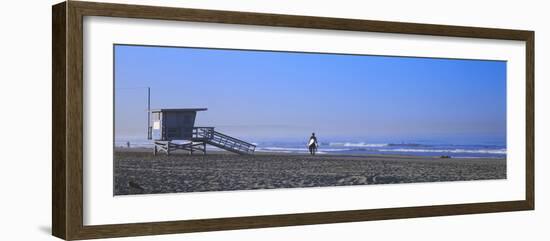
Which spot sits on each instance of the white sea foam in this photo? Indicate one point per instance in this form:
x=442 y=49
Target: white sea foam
x=287 y=150
x=290 y=149
x=355 y=147
x=356 y=144
x=483 y=151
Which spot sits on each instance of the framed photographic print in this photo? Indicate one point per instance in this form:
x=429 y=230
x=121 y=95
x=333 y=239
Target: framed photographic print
x=171 y=120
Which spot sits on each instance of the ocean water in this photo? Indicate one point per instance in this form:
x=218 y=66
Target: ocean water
x=408 y=148
x=491 y=150
x=418 y=148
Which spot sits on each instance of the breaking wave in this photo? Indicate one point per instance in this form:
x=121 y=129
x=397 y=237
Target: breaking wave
x=481 y=151
x=356 y=144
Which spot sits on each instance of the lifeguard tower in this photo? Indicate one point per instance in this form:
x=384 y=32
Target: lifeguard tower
x=170 y=125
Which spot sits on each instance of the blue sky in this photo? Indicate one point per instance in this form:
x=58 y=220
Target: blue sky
x=261 y=95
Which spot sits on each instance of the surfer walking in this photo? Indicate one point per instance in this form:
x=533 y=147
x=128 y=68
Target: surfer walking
x=312 y=144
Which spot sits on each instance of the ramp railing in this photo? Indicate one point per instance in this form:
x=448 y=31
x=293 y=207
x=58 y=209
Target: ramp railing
x=220 y=140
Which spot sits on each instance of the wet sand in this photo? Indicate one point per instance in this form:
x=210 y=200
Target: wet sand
x=137 y=171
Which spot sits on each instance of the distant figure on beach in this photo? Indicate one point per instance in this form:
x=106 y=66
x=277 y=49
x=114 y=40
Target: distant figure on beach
x=312 y=144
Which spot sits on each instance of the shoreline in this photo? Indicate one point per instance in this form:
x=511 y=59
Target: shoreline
x=209 y=152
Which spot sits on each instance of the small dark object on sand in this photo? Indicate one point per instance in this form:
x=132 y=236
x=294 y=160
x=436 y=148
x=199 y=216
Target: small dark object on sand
x=445 y=157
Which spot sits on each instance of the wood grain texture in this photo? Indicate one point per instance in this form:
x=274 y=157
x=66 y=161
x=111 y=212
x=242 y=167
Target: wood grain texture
x=74 y=151
x=58 y=121
x=67 y=154
x=530 y=120
x=279 y=20
x=121 y=230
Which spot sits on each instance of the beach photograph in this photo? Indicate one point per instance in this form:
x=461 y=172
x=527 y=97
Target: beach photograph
x=191 y=119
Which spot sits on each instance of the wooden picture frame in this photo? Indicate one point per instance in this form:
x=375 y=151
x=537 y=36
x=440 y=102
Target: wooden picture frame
x=67 y=152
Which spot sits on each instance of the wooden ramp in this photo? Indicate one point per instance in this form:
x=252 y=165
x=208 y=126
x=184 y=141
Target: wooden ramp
x=211 y=137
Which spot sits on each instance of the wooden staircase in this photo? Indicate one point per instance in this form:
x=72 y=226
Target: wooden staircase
x=222 y=141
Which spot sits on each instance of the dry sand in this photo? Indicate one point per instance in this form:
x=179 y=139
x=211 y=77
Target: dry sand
x=139 y=172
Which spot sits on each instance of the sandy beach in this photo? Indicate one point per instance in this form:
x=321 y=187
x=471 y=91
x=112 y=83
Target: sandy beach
x=137 y=171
